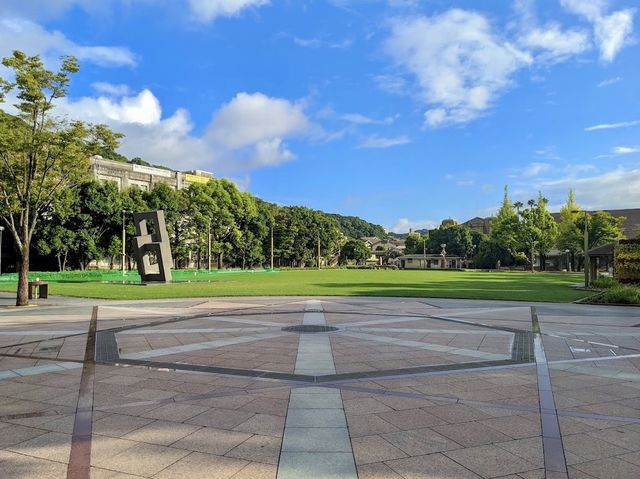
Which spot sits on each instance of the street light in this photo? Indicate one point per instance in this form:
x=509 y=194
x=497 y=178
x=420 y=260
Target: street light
x=124 y=238
x=424 y=252
x=272 y=246
x=1 y=230
x=209 y=250
x=568 y=260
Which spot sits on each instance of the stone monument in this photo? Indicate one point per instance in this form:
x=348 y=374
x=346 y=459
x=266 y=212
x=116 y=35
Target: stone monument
x=152 y=243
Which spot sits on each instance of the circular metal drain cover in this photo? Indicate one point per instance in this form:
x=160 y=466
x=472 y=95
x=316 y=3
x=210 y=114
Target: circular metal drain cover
x=309 y=328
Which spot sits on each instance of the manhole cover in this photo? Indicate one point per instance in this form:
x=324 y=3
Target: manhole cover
x=309 y=328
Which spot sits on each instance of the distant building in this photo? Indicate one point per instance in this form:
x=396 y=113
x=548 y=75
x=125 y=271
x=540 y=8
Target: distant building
x=430 y=261
x=128 y=175
x=481 y=225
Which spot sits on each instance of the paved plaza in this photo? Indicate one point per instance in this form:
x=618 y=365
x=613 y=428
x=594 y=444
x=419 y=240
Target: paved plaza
x=290 y=388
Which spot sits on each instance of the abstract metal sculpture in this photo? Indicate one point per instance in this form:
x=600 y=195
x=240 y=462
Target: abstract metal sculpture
x=152 y=243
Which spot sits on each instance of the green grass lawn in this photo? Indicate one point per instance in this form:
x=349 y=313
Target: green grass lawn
x=331 y=282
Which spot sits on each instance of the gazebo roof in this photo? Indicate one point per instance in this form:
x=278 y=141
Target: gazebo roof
x=604 y=250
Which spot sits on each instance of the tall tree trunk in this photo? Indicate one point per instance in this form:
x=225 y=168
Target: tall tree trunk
x=532 y=257
x=22 y=298
x=220 y=260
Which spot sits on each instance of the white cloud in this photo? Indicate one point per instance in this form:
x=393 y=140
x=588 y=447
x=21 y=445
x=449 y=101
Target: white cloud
x=208 y=10
x=612 y=32
x=403 y=225
x=619 y=188
x=25 y=35
x=535 y=169
x=626 y=150
x=250 y=118
x=609 y=82
x=460 y=65
x=609 y=126
x=248 y=132
x=366 y=120
x=375 y=141
x=111 y=89
x=554 y=44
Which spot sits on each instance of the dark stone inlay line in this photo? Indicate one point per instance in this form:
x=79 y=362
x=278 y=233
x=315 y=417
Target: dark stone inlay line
x=553 y=449
x=309 y=328
x=80 y=456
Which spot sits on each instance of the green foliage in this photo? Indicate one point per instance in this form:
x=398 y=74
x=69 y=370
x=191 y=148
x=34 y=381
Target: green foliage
x=356 y=228
x=457 y=238
x=355 y=250
x=41 y=156
x=622 y=294
x=415 y=243
x=604 y=282
x=504 y=230
x=536 y=230
x=627 y=261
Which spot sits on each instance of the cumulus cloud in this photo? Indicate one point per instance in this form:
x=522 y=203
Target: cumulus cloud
x=28 y=36
x=459 y=63
x=554 y=44
x=111 y=89
x=535 y=169
x=248 y=132
x=208 y=10
x=612 y=31
x=375 y=141
x=403 y=225
x=618 y=188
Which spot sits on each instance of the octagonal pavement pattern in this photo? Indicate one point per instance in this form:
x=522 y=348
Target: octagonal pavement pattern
x=398 y=388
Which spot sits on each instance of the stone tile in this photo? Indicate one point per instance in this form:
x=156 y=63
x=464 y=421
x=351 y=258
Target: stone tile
x=264 y=424
x=376 y=470
x=259 y=449
x=430 y=466
x=364 y=406
x=316 y=418
x=455 y=413
x=202 y=466
x=267 y=405
x=143 y=459
x=15 y=434
x=221 y=418
x=587 y=448
x=418 y=442
x=318 y=439
x=620 y=436
x=17 y=466
x=611 y=468
x=529 y=449
x=490 y=461
x=117 y=425
x=368 y=424
x=315 y=401
x=212 y=440
x=175 y=412
x=370 y=449
x=517 y=427
x=297 y=465
x=470 y=434
x=163 y=433
x=257 y=470
x=104 y=447
x=53 y=446
x=411 y=419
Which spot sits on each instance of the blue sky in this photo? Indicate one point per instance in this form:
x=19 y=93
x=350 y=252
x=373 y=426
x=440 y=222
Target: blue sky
x=402 y=112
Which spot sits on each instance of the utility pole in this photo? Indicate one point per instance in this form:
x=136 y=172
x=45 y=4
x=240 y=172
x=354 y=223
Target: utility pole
x=318 y=250
x=272 y=246
x=1 y=230
x=424 y=252
x=586 y=251
x=124 y=240
x=209 y=248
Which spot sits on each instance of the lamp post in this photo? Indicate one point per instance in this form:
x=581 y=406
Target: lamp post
x=1 y=230
x=568 y=261
x=318 y=250
x=124 y=239
x=424 y=253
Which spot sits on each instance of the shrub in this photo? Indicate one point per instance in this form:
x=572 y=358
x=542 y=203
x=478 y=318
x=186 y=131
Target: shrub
x=604 y=282
x=621 y=295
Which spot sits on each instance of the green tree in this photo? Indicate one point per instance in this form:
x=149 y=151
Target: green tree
x=40 y=156
x=457 y=238
x=602 y=228
x=415 y=243
x=537 y=230
x=504 y=227
x=570 y=237
x=355 y=250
